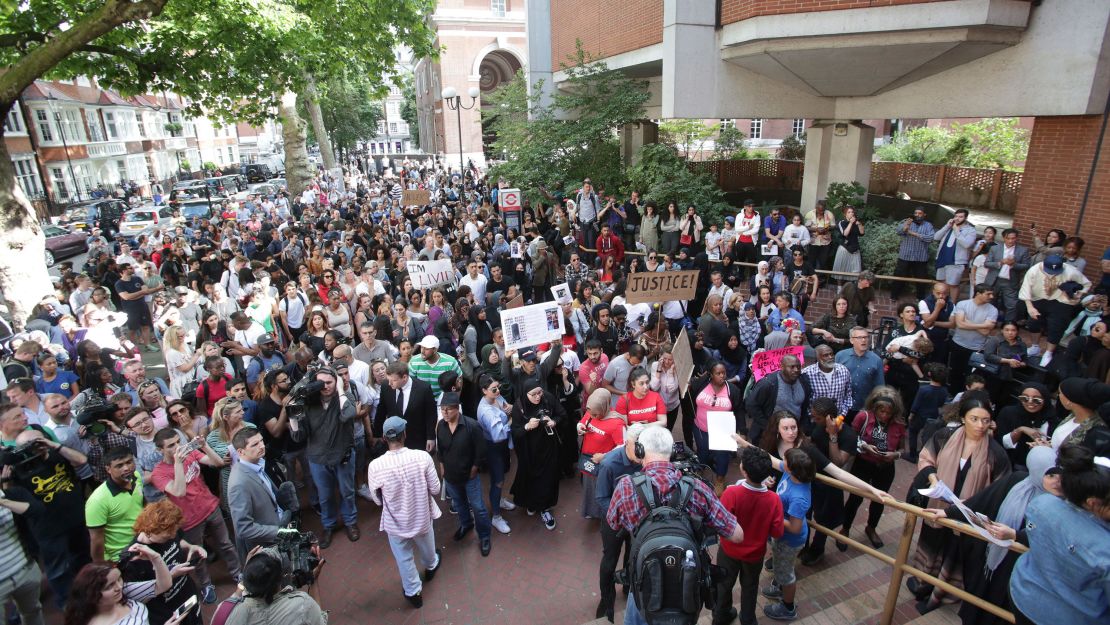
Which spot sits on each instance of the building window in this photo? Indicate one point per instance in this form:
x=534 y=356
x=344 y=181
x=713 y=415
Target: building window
x=113 y=128
x=46 y=133
x=394 y=90
x=142 y=125
x=393 y=127
x=13 y=124
x=398 y=146
x=96 y=131
x=70 y=126
x=58 y=179
x=799 y=128
x=381 y=127
x=383 y=146
x=728 y=123
x=756 y=129
x=121 y=170
x=498 y=7
x=26 y=174
x=230 y=154
x=373 y=148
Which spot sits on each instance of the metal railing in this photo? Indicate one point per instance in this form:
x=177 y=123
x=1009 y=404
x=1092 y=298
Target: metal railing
x=899 y=562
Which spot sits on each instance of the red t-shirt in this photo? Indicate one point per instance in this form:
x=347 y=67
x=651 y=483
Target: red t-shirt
x=602 y=435
x=216 y=392
x=198 y=502
x=646 y=410
x=759 y=513
x=588 y=368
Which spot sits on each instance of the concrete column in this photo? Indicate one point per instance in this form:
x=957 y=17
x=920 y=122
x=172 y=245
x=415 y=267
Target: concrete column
x=538 y=29
x=836 y=151
x=635 y=136
x=690 y=58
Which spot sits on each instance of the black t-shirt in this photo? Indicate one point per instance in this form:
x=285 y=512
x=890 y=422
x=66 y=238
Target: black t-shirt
x=134 y=285
x=846 y=439
x=269 y=410
x=53 y=482
x=162 y=606
x=796 y=272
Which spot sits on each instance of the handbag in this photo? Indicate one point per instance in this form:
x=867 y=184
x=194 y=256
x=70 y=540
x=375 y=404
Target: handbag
x=686 y=239
x=586 y=465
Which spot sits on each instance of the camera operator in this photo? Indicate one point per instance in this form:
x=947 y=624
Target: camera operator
x=627 y=509
x=616 y=464
x=328 y=426
x=267 y=596
x=46 y=469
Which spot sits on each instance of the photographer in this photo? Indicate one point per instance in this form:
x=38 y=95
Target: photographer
x=627 y=509
x=267 y=595
x=328 y=426
x=45 y=469
x=23 y=579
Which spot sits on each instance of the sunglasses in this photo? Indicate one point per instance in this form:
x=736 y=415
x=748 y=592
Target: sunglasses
x=1036 y=401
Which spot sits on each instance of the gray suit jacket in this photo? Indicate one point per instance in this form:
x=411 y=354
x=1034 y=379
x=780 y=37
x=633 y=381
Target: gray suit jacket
x=994 y=263
x=253 y=509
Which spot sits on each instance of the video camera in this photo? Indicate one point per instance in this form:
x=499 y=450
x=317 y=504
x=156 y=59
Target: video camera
x=295 y=548
x=686 y=461
x=307 y=387
x=16 y=457
x=91 y=414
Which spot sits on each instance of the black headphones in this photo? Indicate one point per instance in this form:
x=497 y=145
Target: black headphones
x=638 y=450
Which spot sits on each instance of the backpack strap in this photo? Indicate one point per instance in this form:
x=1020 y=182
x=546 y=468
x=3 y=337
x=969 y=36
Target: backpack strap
x=223 y=611
x=641 y=483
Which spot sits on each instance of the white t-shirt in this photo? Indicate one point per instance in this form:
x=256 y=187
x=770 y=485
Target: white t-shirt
x=294 y=309
x=477 y=286
x=249 y=338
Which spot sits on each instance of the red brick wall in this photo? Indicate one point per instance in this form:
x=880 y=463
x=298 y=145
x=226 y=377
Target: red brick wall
x=606 y=27
x=737 y=10
x=1061 y=150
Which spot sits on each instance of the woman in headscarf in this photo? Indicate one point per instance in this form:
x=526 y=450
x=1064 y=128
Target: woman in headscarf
x=601 y=432
x=534 y=419
x=987 y=566
x=1029 y=421
x=735 y=358
x=478 y=332
x=567 y=391
x=1086 y=401
x=967 y=460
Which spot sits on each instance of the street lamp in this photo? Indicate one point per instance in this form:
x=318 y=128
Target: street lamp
x=65 y=145
x=454 y=102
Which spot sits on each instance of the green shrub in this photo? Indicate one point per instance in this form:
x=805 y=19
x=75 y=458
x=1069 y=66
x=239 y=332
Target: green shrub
x=879 y=247
x=661 y=174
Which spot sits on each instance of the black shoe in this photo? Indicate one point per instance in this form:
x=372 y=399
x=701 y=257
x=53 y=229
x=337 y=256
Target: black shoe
x=605 y=608
x=926 y=605
x=430 y=573
x=919 y=589
x=728 y=618
x=810 y=557
x=461 y=533
x=416 y=600
x=485 y=546
x=325 y=539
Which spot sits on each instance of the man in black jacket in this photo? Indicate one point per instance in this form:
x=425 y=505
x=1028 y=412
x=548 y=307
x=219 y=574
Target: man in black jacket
x=785 y=390
x=462 y=450
x=412 y=400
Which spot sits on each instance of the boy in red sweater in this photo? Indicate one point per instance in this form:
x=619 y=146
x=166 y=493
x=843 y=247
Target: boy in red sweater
x=759 y=512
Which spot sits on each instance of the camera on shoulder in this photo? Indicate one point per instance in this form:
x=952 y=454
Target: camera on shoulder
x=298 y=559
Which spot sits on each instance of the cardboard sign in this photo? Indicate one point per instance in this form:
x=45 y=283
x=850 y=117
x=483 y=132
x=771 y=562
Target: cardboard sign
x=683 y=362
x=416 y=197
x=426 y=274
x=770 y=361
x=663 y=286
x=532 y=325
x=516 y=302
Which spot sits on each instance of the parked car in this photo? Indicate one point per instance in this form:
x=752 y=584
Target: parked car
x=199 y=209
x=264 y=189
x=224 y=185
x=188 y=190
x=256 y=172
x=62 y=243
x=280 y=183
x=111 y=210
x=138 y=219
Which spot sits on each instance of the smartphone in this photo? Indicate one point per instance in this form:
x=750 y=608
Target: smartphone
x=186 y=607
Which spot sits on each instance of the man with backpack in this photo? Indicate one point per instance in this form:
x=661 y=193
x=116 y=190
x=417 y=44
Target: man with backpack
x=668 y=515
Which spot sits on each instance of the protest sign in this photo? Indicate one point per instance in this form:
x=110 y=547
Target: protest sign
x=662 y=286
x=415 y=197
x=683 y=362
x=516 y=302
x=770 y=361
x=722 y=425
x=561 y=293
x=531 y=325
x=426 y=274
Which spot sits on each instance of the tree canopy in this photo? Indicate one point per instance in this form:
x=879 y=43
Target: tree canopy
x=988 y=143
x=351 y=109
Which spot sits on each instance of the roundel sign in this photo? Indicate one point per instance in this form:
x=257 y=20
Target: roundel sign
x=509 y=199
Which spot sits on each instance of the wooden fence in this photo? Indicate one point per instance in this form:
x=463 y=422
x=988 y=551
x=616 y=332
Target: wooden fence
x=986 y=189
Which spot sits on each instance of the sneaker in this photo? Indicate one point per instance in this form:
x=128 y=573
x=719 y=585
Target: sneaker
x=772 y=591
x=208 y=595
x=548 y=519
x=430 y=573
x=810 y=558
x=500 y=525
x=416 y=600
x=364 y=492
x=507 y=505
x=780 y=612
x=1046 y=359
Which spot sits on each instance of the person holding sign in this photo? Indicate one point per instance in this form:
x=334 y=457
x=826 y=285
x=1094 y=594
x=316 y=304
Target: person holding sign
x=711 y=392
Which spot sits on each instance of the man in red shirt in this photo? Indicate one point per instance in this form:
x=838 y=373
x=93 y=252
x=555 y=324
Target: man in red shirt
x=609 y=244
x=759 y=511
x=178 y=475
x=592 y=372
x=213 y=388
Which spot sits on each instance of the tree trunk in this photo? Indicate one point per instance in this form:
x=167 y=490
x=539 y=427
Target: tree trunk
x=294 y=131
x=24 y=280
x=316 y=115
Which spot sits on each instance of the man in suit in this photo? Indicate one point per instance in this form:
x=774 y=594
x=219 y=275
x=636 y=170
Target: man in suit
x=412 y=400
x=259 y=508
x=1006 y=265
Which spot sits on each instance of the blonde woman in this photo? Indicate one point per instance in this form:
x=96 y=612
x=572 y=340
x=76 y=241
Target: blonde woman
x=227 y=420
x=181 y=361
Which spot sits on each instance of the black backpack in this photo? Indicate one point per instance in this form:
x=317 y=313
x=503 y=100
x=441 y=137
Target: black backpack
x=670 y=569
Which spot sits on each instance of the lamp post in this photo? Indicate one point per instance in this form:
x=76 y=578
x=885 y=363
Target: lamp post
x=454 y=102
x=65 y=145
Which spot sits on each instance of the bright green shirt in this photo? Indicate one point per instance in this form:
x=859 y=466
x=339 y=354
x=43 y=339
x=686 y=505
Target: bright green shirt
x=115 y=510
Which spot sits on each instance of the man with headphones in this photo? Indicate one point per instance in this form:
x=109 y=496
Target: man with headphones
x=653 y=449
x=616 y=464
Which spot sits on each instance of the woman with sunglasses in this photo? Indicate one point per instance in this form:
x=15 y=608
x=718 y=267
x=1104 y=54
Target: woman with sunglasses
x=493 y=416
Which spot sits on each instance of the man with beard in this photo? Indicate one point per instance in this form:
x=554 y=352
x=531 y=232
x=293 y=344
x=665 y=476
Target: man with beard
x=786 y=390
x=830 y=379
x=604 y=331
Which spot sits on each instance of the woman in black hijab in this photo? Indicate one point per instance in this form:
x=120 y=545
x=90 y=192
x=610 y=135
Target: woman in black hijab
x=1031 y=420
x=535 y=420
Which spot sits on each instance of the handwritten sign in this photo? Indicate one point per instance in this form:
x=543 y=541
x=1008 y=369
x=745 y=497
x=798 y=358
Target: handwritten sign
x=683 y=362
x=662 y=286
x=426 y=274
x=770 y=361
x=415 y=197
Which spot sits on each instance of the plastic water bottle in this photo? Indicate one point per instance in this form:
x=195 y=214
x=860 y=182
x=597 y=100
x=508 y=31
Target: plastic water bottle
x=689 y=562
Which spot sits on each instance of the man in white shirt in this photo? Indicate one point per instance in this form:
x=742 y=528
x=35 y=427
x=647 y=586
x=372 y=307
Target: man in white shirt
x=245 y=338
x=1051 y=291
x=358 y=370
x=476 y=282
x=718 y=287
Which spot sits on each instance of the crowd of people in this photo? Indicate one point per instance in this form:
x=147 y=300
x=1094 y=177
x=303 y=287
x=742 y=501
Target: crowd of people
x=303 y=370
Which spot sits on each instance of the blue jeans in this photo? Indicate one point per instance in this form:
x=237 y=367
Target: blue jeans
x=468 y=499
x=327 y=478
x=716 y=460
x=631 y=612
x=498 y=458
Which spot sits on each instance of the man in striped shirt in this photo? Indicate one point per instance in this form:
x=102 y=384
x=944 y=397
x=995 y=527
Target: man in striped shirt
x=404 y=482
x=430 y=363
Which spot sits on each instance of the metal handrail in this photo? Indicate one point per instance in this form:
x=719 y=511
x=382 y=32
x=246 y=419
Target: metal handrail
x=899 y=561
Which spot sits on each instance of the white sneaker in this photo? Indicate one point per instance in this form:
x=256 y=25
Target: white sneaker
x=500 y=525
x=507 y=505
x=364 y=492
x=1047 y=358
x=548 y=519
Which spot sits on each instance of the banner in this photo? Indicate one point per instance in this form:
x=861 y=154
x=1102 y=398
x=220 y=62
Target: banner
x=770 y=361
x=426 y=274
x=683 y=362
x=415 y=197
x=652 y=287
x=531 y=325
x=561 y=293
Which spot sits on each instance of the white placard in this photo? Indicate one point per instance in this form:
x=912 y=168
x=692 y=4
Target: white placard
x=531 y=325
x=561 y=293
x=426 y=274
x=722 y=425
x=515 y=250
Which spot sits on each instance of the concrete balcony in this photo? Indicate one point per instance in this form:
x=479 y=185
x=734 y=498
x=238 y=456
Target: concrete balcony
x=101 y=149
x=176 y=143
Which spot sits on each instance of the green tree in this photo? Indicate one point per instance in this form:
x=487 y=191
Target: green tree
x=687 y=136
x=575 y=137
x=350 y=111
x=409 y=111
x=731 y=144
x=662 y=174
x=917 y=145
x=793 y=148
x=988 y=143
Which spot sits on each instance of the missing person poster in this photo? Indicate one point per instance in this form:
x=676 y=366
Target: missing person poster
x=426 y=274
x=531 y=325
x=651 y=286
x=562 y=293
